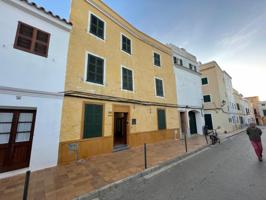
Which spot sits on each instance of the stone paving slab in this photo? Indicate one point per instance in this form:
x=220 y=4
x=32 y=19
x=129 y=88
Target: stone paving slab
x=78 y=178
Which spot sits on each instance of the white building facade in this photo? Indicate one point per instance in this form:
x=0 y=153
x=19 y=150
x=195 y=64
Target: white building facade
x=33 y=54
x=189 y=92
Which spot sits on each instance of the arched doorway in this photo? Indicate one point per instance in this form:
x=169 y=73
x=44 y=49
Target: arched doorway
x=192 y=122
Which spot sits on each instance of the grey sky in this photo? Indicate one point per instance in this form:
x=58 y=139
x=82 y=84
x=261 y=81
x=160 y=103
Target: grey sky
x=232 y=32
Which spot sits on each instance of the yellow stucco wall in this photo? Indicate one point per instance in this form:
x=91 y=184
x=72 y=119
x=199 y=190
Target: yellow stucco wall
x=216 y=88
x=141 y=62
x=73 y=111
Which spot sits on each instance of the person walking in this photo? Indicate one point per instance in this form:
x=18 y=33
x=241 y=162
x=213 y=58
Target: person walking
x=254 y=134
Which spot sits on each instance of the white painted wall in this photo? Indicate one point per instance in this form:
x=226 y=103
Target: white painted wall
x=37 y=80
x=20 y=69
x=188 y=88
x=47 y=125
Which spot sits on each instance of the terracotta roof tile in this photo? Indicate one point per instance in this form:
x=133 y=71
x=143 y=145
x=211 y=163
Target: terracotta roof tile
x=46 y=11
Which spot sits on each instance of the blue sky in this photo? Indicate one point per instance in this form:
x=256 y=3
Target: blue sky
x=232 y=32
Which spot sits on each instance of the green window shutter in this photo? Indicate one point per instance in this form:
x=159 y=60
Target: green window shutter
x=159 y=87
x=161 y=119
x=157 y=59
x=127 y=79
x=204 y=81
x=97 y=27
x=93 y=121
x=126 y=44
x=95 y=69
x=175 y=60
x=207 y=98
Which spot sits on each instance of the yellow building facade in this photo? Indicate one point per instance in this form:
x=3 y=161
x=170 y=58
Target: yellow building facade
x=224 y=107
x=120 y=86
x=215 y=98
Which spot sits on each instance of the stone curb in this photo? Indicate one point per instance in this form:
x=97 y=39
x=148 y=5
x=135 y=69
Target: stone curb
x=94 y=195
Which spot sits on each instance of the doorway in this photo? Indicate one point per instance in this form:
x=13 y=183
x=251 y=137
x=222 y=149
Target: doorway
x=183 y=122
x=208 y=121
x=120 y=129
x=16 y=134
x=192 y=123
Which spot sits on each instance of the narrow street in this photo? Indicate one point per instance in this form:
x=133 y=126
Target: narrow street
x=229 y=171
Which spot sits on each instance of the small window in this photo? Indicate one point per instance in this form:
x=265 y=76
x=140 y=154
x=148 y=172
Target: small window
x=96 y=26
x=93 y=121
x=263 y=104
x=126 y=44
x=159 y=87
x=238 y=106
x=175 y=60
x=191 y=66
x=32 y=40
x=195 y=68
x=207 y=98
x=204 y=81
x=95 y=70
x=180 y=62
x=127 y=79
x=264 y=112
x=157 y=59
x=161 y=119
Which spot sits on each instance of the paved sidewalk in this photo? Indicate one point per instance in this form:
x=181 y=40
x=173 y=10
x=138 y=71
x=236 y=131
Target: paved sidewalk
x=75 y=179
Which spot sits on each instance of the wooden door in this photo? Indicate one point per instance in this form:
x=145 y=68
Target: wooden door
x=16 y=134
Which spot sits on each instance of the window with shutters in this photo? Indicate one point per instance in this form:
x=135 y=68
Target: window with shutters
x=93 y=121
x=95 y=70
x=161 y=119
x=159 y=87
x=97 y=26
x=126 y=44
x=207 y=98
x=175 y=60
x=157 y=59
x=127 y=79
x=180 y=62
x=204 y=81
x=32 y=40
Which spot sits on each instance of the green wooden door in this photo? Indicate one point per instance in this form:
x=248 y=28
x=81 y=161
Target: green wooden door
x=93 y=121
x=192 y=123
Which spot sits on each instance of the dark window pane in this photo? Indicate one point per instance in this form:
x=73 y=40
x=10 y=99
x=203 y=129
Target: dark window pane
x=207 y=98
x=97 y=27
x=157 y=59
x=95 y=71
x=204 y=81
x=127 y=79
x=126 y=44
x=159 y=87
